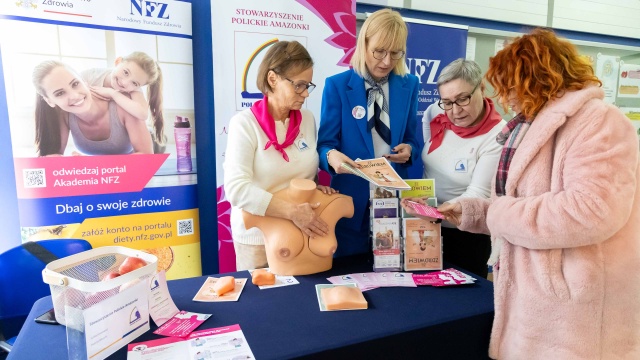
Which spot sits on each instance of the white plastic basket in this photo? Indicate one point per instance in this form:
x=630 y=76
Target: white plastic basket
x=76 y=281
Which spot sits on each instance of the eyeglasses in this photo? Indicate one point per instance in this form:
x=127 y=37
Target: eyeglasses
x=380 y=54
x=462 y=101
x=301 y=86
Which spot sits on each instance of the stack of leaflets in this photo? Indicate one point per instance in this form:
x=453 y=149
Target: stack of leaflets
x=378 y=172
x=385 y=230
x=372 y=280
x=226 y=342
x=384 y=208
x=422 y=245
x=386 y=244
x=446 y=277
x=422 y=241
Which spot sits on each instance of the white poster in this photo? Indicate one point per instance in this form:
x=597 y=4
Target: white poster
x=629 y=83
x=607 y=71
x=242 y=31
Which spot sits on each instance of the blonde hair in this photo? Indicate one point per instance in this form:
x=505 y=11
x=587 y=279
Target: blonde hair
x=393 y=36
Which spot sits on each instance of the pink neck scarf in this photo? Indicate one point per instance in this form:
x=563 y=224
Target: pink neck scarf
x=260 y=110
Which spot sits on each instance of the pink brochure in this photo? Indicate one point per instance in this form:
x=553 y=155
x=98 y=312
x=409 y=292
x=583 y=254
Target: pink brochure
x=443 y=278
x=425 y=210
x=182 y=324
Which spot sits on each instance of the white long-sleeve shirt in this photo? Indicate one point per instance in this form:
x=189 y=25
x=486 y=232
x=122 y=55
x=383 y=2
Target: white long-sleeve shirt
x=461 y=167
x=252 y=174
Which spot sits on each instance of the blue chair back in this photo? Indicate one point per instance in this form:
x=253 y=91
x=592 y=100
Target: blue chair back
x=21 y=281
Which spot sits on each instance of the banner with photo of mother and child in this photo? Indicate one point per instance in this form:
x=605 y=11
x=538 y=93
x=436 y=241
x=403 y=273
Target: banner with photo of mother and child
x=80 y=138
x=98 y=124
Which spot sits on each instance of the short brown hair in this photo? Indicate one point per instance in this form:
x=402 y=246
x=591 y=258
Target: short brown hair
x=538 y=67
x=285 y=58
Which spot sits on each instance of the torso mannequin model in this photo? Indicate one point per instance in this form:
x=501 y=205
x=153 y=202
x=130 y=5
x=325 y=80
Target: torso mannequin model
x=289 y=250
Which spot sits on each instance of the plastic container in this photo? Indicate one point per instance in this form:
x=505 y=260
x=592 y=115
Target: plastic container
x=182 y=133
x=76 y=285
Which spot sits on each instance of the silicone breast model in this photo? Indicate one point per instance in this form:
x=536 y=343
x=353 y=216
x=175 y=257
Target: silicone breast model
x=343 y=298
x=289 y=250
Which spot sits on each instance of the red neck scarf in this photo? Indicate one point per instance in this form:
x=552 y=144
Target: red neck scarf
x=260 y=110
x=441 y=123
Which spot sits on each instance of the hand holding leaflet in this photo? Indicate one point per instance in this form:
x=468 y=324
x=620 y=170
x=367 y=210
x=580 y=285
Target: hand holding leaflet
x=379 y=172
x=425 y=210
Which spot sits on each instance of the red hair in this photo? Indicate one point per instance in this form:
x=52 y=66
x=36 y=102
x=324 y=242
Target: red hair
x=538 y=67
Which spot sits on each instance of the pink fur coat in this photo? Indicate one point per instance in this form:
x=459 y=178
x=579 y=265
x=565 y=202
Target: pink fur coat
x=567 y=235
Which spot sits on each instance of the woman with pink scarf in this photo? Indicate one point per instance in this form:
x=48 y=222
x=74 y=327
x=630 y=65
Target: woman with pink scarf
x=270 y=144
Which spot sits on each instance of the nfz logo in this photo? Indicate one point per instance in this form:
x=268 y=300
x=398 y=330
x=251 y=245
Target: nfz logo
x=152 y=9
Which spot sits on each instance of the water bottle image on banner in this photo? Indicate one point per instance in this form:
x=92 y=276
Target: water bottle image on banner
x=182 y=132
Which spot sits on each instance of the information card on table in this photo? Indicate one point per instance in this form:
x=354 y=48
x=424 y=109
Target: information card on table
x=182 y=324
x=161 y=305
x=112 y=323
x=212 y=344
x=281 y=280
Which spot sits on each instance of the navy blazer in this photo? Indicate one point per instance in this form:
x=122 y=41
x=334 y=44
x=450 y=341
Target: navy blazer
x=340 y=130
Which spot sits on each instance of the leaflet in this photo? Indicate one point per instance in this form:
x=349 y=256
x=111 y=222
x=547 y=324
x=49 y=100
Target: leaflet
x=161 y=305
x=422 y=245
x=373 y=280
x=226 y=342
x=446 y=277
x=182 y=324
x=378 y=172
x=425 y=210
x=281 y=280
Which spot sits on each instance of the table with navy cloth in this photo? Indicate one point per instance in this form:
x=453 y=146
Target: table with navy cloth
x=283 y=323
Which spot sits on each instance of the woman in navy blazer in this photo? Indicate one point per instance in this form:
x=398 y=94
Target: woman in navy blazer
x=369 y=111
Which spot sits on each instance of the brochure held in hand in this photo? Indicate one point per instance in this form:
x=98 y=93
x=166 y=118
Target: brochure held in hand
x=425 y=210
x=378 y=172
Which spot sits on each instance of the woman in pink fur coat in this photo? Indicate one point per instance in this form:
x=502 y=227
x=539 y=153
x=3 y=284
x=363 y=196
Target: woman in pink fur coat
x=564 y=213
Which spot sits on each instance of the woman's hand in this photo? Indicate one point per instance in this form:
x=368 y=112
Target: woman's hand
x=103 y=93
x=306 y=219
x=402 y=154
x=452 y=212
x=335 y=160
x=409 y=209
x=327 y=190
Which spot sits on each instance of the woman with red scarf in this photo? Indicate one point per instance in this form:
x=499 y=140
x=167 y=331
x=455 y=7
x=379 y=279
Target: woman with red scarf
x=270 y=144
x=461 y=154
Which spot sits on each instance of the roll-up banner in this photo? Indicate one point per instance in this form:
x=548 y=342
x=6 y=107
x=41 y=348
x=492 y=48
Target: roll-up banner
x=242 y=32
x=98 y=105
x=430 y=47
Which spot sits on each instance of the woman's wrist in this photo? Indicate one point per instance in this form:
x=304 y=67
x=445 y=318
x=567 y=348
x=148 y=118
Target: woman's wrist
x=328 y=162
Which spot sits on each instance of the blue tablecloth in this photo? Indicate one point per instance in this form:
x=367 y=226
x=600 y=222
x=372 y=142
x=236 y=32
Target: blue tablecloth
x=283 y=323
